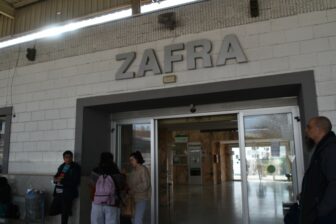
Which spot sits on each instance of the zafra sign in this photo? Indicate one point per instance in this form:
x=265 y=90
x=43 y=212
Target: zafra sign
x=195 y=50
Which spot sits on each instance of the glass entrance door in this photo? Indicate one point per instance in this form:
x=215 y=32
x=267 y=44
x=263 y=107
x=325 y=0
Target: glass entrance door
x=271 y=155
x=248 y=164
x=2 y=140
x=134 y=136
x=198 y=180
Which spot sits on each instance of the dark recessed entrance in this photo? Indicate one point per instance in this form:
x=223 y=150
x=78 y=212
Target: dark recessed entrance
x=93 y=121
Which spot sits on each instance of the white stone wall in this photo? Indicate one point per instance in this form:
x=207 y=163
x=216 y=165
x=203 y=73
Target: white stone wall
x=44 y=94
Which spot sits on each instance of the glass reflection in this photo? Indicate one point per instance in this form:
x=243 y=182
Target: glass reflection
x=131 y=138
x=2 y=140
x=269 y=149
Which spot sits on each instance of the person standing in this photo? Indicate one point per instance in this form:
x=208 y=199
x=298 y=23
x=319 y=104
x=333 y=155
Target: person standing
x=139 y=186
x=105 y=205
x=5 y=197
x=259 y=167
x=66 y=180
x=318 y=196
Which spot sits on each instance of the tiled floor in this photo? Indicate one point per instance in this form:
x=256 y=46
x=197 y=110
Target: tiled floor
x=222 y=204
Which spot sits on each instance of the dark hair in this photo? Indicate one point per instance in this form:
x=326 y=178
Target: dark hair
x=138 y=157
x=323 y=123
x=106 y=159
x=68 y=152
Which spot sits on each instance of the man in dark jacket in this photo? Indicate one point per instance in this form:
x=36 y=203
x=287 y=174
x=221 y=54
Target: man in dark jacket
x=318 y=197
x=5 y=197
x=66 y=181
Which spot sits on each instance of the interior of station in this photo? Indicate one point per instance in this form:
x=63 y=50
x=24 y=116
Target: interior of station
x=200 y=170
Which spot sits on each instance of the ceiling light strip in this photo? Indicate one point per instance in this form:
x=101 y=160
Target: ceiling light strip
x=54 y=31
x=164 y=5
x=57 y=30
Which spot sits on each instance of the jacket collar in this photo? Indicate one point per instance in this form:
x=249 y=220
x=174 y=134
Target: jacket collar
x=329 y=137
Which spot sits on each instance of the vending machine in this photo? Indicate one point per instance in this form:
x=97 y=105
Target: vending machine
x=195 y=162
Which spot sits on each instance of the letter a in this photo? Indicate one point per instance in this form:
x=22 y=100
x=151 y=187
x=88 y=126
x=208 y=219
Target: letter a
x=231 y=49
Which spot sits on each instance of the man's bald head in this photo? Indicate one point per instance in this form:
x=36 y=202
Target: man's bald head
x=323 y=123
x=318 y=127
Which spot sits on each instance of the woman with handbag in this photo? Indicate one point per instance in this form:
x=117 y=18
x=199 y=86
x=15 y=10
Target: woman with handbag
x=139 y=186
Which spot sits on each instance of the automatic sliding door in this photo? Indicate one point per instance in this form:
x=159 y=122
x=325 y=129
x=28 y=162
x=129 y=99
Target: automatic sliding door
x=269 y=155
x=270 y=152
x=2 y=140
x=133 y=137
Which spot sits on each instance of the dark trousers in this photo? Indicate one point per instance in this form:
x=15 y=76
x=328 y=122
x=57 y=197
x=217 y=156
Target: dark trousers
x=125 y=220
x=61 y=205
x=329 y=219
x=292 y=216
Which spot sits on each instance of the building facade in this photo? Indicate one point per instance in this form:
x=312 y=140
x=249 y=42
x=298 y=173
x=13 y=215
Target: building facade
x=83 y=86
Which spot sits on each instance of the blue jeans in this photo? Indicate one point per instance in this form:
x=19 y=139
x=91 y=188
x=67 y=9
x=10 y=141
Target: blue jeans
x=105 y=214
x=140 y=208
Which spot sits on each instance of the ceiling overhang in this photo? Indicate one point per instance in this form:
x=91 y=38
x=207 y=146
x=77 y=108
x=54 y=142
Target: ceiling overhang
x=6 y=9
x=22 y=3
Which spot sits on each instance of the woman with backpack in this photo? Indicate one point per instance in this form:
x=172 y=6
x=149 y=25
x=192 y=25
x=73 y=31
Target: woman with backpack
x=139 y=185
x=105 y=204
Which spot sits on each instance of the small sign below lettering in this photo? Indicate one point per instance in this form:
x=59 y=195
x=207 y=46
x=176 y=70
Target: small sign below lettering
x=169 y=79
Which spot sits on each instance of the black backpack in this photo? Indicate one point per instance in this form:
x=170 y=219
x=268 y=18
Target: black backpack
x=120 y=181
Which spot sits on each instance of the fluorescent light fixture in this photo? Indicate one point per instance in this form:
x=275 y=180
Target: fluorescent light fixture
x=164 y=4
x=57 y=30
x=54 y=31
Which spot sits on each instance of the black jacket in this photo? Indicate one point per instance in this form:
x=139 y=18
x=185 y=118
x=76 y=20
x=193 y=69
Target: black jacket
x=318 y=197
x=70 y=181
x=5 y=191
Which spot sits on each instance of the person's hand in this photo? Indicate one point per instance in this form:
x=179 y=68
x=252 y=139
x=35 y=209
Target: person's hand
x=298 y=196
x=130 y=192
x=123 y=171
x=58 y=179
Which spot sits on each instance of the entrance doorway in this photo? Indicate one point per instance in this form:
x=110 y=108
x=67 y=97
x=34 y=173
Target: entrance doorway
x=239 y=167
x=196 y=171
x=94 y=133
